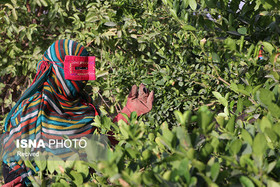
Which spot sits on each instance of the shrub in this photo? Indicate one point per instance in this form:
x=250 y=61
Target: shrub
x=215 y=119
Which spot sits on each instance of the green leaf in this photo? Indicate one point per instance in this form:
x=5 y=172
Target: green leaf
x=160 y=82
x=265 y=96
x=246 y=136
x=167 y=175
x=76 y=177
x=215 y=57
x=246 y=149
x=215 y=169
x=205 y=117
x=220 y=120
x=51 y=165
x=206 y=150
x=34 y=181
x=230 y=44
x=250 y=50
x=165 y=2
x=132 y=152
x=182 y=169
x=14 y=13
x=160 y=142
x=133 y=116
x=246 y=182
x=211 y=3
x=69 y=163
x=274 y=75
x=81 y=168
x=242 y=30
x=14 y=2
x=220 y=98
x=173 y=13
x=268 y=47
x=199 y=165
x=90 y=17
x=183 y=119
x=101 y=73
x=270 y=134
x=9 y=6
x=231 y=124
x=41 y=162
x=259 y=144
x=272 y=183
x=268 y=4
x=256 y=89
x=29 y=164
x=193 y=4
x=110 y=24
x=265 y=123
x=55 y=163
x=146 y=154
x=167 y=134
x=183 y=137
x=147 y=81
x=44 y=3
x=189 y=28
x=272 y=59
x=124 y=128
x=234 y=87
x=57 y=185
x=270 y=166
x=276 y=129
x=235 y=146
x=239 y=106
x=274 y=109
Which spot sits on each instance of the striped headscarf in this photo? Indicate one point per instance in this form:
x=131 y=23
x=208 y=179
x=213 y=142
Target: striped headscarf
x=51 y=107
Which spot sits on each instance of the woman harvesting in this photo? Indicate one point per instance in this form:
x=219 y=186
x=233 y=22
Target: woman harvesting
x=54 y=106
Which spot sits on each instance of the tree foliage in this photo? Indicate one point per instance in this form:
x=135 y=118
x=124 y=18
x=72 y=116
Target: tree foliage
x=216 y=115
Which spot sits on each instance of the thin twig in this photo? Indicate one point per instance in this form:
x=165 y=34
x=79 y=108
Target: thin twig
x=89 y=43
x=223 y=81
x=203 y=85
x=210 y=104
x=28 y=6
x=219 y=78
x=3 y=112
x=275 y=58
x=114 y=100
x=121 y=49
x=103 y=99
x=252 y=100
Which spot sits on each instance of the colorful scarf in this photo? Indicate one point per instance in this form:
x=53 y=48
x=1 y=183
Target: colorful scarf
x=50 y=108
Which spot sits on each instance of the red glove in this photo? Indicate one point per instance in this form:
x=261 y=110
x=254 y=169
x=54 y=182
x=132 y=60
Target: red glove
x=14 y=183
x=141 y=102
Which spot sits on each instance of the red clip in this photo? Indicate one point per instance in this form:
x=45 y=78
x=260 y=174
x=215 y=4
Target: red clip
x=79 y=68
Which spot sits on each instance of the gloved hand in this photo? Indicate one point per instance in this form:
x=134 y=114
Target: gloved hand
x=14 y=183
x=140 y=101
